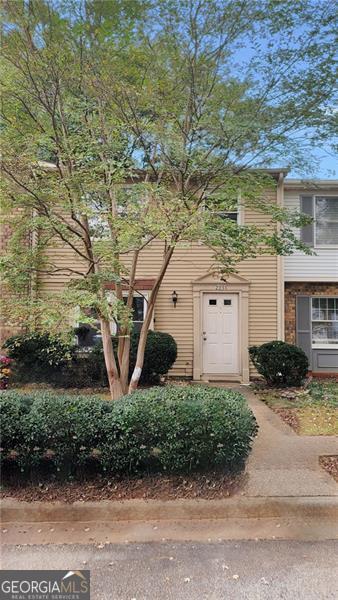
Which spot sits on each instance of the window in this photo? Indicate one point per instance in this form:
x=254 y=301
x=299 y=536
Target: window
x=212 y=302
x=326 y=223
x=215 y=204
x=88 y=335
x=324 y=322
x=233 y=216
x=139 y=309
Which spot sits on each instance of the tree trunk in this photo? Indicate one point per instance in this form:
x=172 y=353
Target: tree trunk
x=124 y=364
x=109 y=358
x=145 y=327
x=124 y=340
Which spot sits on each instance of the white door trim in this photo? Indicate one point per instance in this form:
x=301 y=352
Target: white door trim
x=216 y=358
x=211 y=283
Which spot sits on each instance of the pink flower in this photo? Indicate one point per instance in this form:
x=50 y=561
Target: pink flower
x=5 y=360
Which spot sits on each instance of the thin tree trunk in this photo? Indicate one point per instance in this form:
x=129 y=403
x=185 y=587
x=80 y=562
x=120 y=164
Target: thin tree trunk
x=124 y=364
x=124 y=340
x=109 y=358
x=145 y=327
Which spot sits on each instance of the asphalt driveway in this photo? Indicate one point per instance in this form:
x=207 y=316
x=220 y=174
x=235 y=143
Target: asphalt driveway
x=243 y=570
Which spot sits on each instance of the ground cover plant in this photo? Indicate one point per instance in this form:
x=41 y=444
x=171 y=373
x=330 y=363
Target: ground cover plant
x=160 y=430
x=311 y=410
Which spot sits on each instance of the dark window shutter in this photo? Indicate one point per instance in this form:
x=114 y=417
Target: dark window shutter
x=307 y=232
x=303 y=325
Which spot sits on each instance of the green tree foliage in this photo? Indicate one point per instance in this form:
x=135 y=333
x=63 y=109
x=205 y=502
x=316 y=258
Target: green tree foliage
x=128 y=122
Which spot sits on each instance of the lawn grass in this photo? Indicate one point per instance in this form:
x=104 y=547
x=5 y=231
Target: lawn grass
x=314 y=408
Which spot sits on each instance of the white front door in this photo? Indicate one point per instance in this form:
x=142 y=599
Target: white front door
x=220 y=333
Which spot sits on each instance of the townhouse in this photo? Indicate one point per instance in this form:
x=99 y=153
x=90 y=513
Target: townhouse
x=214 y=321
x=311 y=281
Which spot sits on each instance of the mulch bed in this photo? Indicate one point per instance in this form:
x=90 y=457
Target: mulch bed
x=160 y=487
x=330 y=464
x=289 y=416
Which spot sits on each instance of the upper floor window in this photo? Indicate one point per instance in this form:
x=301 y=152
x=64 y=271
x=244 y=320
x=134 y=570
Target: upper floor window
x=326 y=221
x=234 y=213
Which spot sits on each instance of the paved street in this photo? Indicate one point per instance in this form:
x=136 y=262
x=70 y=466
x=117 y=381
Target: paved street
x=242 y=570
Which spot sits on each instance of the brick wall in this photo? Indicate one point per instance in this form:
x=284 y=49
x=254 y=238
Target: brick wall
x=292 y=290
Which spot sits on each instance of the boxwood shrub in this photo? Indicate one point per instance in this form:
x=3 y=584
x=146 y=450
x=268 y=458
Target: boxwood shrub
x=162 y=429
x=281 y=364
x=41 y=358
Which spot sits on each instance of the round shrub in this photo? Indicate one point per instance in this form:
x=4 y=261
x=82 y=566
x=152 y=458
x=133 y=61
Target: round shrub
x=159 y=356
x=281 y=364
x=38 y=355
x=163 y=429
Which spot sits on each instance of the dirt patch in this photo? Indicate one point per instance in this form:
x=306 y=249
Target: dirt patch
x=330 y=464
x=210 y=486
x=289 y=416
x=310 y=410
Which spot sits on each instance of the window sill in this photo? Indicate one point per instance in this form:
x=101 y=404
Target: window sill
x=326 y=247
x=324 y=346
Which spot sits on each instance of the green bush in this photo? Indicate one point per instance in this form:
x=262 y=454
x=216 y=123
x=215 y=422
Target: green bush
x=44 y=358
x=82 y=371
x=38 y=355
x=159 y=356
x=281 y=364
x=163 y=429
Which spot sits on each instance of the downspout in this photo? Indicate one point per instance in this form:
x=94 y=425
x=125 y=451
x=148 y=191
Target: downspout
x=280 y=269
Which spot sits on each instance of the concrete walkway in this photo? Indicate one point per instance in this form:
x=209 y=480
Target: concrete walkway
x=283 y=463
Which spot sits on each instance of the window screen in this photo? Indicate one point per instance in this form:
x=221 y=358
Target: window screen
x=326 y=213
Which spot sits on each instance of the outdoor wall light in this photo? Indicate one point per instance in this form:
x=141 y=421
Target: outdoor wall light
x=174 y=297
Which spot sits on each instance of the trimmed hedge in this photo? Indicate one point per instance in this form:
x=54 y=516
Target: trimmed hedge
x=41 y=358
x=163 y=429
x=281 y=364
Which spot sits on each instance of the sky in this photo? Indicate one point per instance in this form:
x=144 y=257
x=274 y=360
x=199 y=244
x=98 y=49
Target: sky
x=326 y=168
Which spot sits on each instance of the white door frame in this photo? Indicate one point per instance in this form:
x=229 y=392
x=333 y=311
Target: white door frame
x=236 y=343
x=211 y=283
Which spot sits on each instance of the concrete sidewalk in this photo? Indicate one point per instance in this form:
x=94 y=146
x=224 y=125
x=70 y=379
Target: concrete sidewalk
x=283 y=463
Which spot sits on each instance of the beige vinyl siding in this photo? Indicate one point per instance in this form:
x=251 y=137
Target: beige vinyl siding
x=190 y=262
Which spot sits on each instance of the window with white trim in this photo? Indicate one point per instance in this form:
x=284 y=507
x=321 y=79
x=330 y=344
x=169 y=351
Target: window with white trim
x=326 y=220
x=234 y=214
x=324 y=315
x=139 y=309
